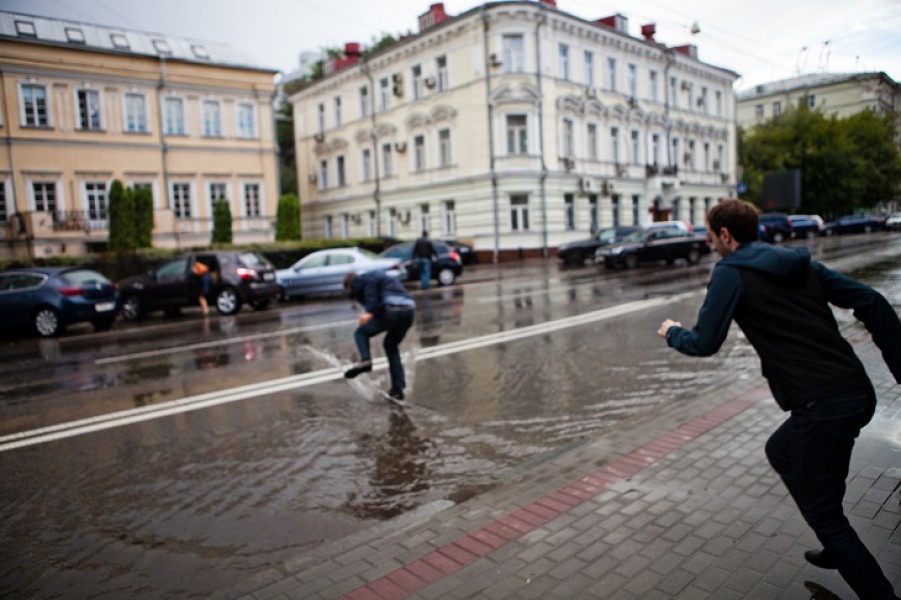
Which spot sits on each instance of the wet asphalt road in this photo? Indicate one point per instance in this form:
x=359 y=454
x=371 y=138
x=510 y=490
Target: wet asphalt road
x=177 y=457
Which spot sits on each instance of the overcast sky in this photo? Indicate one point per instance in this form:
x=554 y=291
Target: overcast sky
x=762 y=40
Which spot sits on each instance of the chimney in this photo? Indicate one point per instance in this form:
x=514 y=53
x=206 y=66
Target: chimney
x=434 y=16
x=689 y=50
x=551 y=3
x=648 y=31
x=616 y=22
x=351 y=56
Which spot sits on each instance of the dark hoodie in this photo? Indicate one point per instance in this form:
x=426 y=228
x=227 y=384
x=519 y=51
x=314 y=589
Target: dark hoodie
x=373 y=288
x=780 y=299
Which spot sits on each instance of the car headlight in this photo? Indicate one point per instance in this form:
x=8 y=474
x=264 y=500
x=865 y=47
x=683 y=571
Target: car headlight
x=617 y=251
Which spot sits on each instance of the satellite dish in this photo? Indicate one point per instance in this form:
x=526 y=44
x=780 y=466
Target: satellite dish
x=695 y=28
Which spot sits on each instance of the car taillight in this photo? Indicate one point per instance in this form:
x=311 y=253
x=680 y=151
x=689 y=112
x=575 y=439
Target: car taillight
x=247 y=274
x=71 y=291
x=456 y=257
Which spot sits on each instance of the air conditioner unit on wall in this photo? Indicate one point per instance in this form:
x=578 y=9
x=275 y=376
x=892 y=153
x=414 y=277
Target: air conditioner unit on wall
x=686 y=85
x=591 y=92
x=607 y=188
x=319 y=137
x=400 y=147
x=495 y=60
x=621 y=170
x=429 y=82
x=311 y=177
x=587 y=185
x=398 y=84
x=568 y=163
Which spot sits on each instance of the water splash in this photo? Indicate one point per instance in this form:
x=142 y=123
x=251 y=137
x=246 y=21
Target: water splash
x=372 y=386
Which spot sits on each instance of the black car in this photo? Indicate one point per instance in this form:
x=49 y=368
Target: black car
x=445 y=269
x=852 y=224
x=46 y=299
x=803 y=226
x=574 y=253
x=238 y=277
x=774 y=227
x=466 y=251
x=646 y=245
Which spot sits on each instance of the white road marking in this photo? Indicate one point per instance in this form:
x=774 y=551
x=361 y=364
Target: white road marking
x=128 y=417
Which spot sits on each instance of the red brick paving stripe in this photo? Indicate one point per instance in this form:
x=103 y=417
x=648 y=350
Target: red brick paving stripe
x=452 y=557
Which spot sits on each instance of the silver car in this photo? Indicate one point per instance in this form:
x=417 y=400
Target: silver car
x=323 y=271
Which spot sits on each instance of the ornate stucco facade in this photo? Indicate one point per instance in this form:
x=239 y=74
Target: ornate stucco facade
x=84 y=104
x=457 y=130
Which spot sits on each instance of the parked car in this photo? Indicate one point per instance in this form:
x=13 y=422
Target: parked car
x=852 y=224
x=774 y=227
x=893 y=222
x=574 y=253
x=680 y=225
x=465 y=250
x=323 y=271
x=445 y=269
x=47 y=299
x=803 y=226
x=648 y=245
x=238 y=277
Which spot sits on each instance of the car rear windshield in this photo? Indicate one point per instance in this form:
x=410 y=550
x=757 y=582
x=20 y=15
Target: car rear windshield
x=83 y=276
x=251 y=259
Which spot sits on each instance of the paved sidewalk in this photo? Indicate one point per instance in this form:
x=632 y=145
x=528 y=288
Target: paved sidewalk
x=682 y=505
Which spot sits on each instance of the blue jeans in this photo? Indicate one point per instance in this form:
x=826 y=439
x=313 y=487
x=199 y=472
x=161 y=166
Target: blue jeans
x=811 y=451
x=395 y=322
x=425 y=272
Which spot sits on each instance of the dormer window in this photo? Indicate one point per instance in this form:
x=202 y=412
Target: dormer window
x=120 y=42
x=162 y=47
x=26 y=28
x=75 y=35
x=200 y=51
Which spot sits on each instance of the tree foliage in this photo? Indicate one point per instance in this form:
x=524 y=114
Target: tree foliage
x=143 y=213
x=286 y=151
x=287 y=221
x=121 y=218
x=222 y=222
x=846 y=164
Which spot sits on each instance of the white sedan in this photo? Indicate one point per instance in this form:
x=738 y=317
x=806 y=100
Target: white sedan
x=323 y=271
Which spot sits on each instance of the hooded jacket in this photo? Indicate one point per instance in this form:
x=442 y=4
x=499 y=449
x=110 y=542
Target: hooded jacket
x=375 y=289
x=780 y=298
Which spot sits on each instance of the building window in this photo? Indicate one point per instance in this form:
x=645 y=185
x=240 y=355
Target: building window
x=588 y=67
x=614 y=144
x=444 y=147
x=44 y=193
x=419 y=153
x=811 y=101
x=635 y=203
x=162 y=47
x=321 y=117
x=614 y=208
x=212 y=119
x=370 y=223
x=217 y=192
x=425 y=221
x=673 y=92
x=719 y=103
x=26 y=29
x=632 y=80
x=568 y=142
x=655 y=149
x=569 y=211
x=758 y=111
x=387 y=162
x=383 y=94
x=88 y=109
x=692 y=207
x=327 y=226
x=450 y=218
x=96 y=196
x=175 y=116
x=74 y=35
x=777 y=108
x=443 y=80
x=652 y=86
x=636 y=148
x=592 y=141
x=34 y=106
x=4 y=210
x=135 y=113
x=364 y=101
x=417 y=82
x=611 y=74
x=677 y=160
x=246 y=126
x=707 y=156
x=519 y=212
x=513 y=53
x=703 y=100
x=323 y=174
x=593 y=212
x=517 y=140
x=342 y=177
x=338 y=111
x=720 y=158
x=677 y=214
x=181 y=200
x=345 y=228
x=252 y=206
x=691 y=155
x=119 y=41
x=366 y=164
x=563 y=62
x=389 y=225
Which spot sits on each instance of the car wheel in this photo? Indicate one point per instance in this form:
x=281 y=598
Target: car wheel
x=103 y=323
x=694 y=256
x=778 y=237
x=131 y=308
x=260 y=304
x=47 y=322
x=631 y=261
x=810 y=234
x=868 y=229
x=172 y=311
x=227 y=301
x=446 y=276
x=575 y=259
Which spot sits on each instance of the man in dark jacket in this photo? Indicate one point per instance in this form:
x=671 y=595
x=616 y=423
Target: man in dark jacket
x=780 y=298
x=423 y=251
x=388 y=308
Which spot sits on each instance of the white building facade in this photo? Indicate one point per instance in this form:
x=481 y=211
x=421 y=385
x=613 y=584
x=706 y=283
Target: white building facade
x=516 y=126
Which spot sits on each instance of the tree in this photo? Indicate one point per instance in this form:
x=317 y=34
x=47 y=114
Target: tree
x=222 y=222
x=286 y=150
x=845 y=164
x=121 y=218
x=287 y=220
x=143 y=217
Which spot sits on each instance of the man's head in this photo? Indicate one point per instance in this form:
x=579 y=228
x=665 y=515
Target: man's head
x=425 y=233
x=732 y=223
x=348 y=282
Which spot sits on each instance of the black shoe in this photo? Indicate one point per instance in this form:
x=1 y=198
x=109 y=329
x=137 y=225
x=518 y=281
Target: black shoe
x=396 y=394
x=820 y=558
x=819 y=592
x=363 y=366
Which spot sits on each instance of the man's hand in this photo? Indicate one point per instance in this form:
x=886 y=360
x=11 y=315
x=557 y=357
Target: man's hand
x=364 y=318
x=664 y=327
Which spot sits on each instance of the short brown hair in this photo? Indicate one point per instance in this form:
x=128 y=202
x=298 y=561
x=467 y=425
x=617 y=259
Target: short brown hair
x=348 y=281
x=741 y=218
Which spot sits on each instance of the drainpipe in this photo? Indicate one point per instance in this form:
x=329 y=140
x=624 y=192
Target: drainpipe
x=541 y=21
x=494 y=199
x=377 y=192
x=164 y=147
x=670 y=59
x=12 y=168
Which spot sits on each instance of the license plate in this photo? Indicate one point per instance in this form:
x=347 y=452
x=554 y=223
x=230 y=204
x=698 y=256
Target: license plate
x=268 y=276
x=104 y=306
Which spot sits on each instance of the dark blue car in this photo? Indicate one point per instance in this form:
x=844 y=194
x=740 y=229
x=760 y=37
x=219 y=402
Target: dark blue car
x=852 y=224
x=46 y=299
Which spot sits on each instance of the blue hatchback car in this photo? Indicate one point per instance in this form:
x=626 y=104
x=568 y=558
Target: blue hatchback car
x=46 y=299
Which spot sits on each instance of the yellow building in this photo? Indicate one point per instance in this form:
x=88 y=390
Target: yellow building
x=82 y=105
x=515 y=125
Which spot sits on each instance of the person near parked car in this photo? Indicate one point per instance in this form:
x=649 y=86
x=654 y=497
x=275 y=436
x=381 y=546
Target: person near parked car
x=780 y=298
x=389 y=309
x=203 y=279
x=423 y=252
